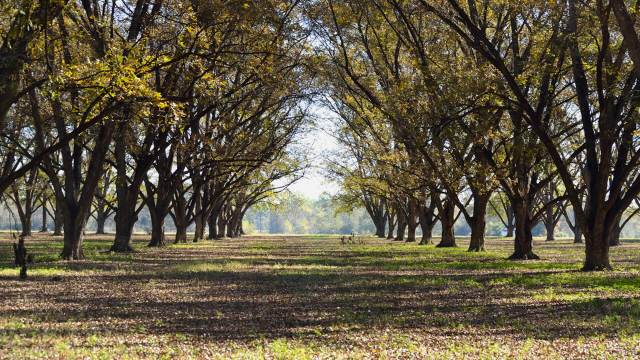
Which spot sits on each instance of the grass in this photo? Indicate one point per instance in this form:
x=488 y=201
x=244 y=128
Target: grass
x=299 y=297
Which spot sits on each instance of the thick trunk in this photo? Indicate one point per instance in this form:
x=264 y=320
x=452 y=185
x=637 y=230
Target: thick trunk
x=181 y=233
x=550 y=229
x=523 y=241
x=212 y=221
x=549 y=222
x=127 y=195
x=222 y=226
x=199 y=219
x=230 y=228
x=511 y=226
x=180 y=219
x=597 y=245
x=577 y=235
x=232 y=224
x=58 y=220
x=402 y=227
x=199 y=230
x=44 y=227
x=426 y=218
x=576 y=229
x=478 y=223
x=392 y=226
x=614 y=234
x=100 y=221
x=447 y=220
x=74 y=224
x=412 y=222
x=157 y=228
x=26 y=223
x=380 y=226
x=125 y=221
x=427 y=234
x=234 y=228
x=411 y=232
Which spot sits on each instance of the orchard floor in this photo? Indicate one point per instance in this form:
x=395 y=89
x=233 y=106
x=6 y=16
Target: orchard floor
x=313 y=297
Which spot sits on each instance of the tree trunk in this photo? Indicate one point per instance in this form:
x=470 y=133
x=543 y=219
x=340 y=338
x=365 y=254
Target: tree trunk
x=380 y=226
x=412 y=223
x=577 y=235
x=125 y=221
x=26 y=222
x=44 y=227
x=199 y=230
x=478 y=222
x=157 y=228
x=426 y=218
x=427 y=233
x=549 y=222
x=402 y=227
x=597 y=245
x=392 y=226
x=550 y=230
x=198 y=218
x=411 y=232
x=447 y=220
x=523 y=241
x=212 y=222
x=222 y=226
x=58 y=220
x=614 y=235
x=180 y=218
x=74 y=223
x=181 y=234
x=511 y=226
x=125 y=217
x=100 y=221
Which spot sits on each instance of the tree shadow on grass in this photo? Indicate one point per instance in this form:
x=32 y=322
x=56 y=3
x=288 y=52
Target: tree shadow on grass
x=247 y=305
x=231 y=290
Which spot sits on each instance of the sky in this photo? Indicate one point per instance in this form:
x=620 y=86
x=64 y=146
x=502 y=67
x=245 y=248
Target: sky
x=318 y=141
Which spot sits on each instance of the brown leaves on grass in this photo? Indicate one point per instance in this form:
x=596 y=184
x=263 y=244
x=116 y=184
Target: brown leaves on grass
x=300 y=297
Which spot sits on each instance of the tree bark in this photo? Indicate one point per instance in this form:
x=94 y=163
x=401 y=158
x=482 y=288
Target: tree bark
x=392 y=225
x=76 y=202
x=380 y=225
x=44 y=227
x=74 y=224
x=550 y=230
x=597 y=245
x=614 y=235
x=523 y=241
x=157 y=228
x=58 y=220
x=180 y=221
x=125 y=221
x=427 y=222
x=222 y=225
x=511 y=226
x=125 y=218
x=577 y=235
x=402 y=227
x=100 y=220
x=478 y=222
x=25 y=221
x=447 y=220
x=412 y=223
x=212 y=221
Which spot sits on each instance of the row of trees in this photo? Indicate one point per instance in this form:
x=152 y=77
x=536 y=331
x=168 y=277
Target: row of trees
x=190 y=109
x=293 y=213
x=453 y=108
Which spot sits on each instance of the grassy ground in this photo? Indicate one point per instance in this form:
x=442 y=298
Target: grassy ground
x=313 y=297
